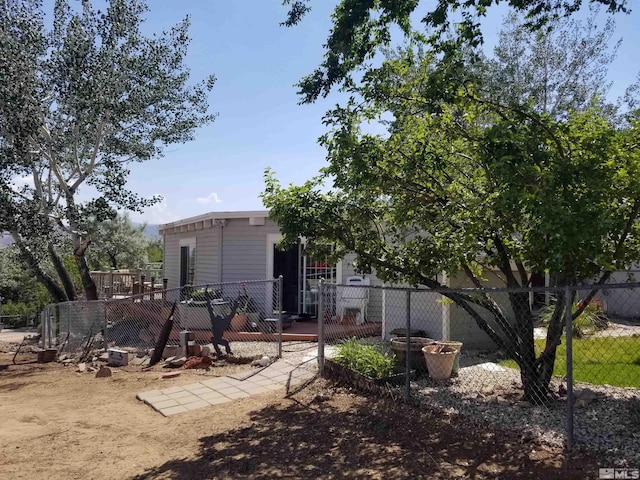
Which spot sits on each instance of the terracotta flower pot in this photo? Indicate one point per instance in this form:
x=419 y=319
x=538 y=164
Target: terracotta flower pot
x=239 y=323
x=439 y=360
x=458 y=347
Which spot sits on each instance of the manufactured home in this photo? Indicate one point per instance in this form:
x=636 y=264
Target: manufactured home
x=221 y=247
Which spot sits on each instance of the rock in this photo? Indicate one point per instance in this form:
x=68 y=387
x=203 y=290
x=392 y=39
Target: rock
x=82 y=367
x=170 y=351
x=487 y=391
x=138 y=361
x=206 y=350
x=104 y=357
x=62 y=357
x=170 y=375
x=562 y=390
x=178 y=362
x=584 y=397
x=264 y=361
x=320 y=397
x=103 y=372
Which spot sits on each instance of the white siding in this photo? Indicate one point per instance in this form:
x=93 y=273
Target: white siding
x=244 y=252
x=206 y=256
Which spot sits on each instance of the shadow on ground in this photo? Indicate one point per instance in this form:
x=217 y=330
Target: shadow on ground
x=350 y=436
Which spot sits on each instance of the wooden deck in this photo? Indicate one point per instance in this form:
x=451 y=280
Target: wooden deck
x=300 y=331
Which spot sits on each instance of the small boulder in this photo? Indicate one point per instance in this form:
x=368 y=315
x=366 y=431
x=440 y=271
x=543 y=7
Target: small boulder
x=177 y=362
x=103 y=372
x=584 y=397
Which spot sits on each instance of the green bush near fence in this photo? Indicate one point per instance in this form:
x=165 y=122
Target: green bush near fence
x=369 y=360
x=598 y=360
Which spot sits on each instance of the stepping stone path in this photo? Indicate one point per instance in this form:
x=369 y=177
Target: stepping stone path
x=185 y=398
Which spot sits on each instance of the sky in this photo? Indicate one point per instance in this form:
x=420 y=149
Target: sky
x=260 y=124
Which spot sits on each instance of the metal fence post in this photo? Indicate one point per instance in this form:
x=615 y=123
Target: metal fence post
x=407 y=368
x=568 y=318
x=68 y=328
x=105 y=340
x=280 y=287
x=321 y=327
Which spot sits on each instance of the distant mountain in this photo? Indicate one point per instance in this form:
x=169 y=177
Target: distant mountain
x=151 y=231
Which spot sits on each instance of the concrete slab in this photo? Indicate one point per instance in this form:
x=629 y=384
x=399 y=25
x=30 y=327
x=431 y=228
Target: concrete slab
x=196 y=405
x=218 y=400
x=167 y=412
x=189 y=399
x=219 y=390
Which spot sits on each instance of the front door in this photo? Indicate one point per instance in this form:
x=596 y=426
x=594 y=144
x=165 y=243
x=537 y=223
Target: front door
x=286 y=263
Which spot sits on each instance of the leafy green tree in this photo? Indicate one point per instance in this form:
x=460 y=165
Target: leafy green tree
x=78 y=102
x=461 y=181
x=20 y=291
x=155 y=251
x=556 y=73
x=362 y=27
x=117 y=243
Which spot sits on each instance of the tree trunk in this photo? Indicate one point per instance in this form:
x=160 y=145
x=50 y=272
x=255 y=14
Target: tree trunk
x=114 y=261
x=57 y=293
x=62 y=272
x=90 y=289
x=535 y=391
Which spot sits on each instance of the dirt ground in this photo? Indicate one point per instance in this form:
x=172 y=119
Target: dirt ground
x=57 y=423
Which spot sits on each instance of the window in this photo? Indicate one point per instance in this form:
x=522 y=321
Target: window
x=187 y=261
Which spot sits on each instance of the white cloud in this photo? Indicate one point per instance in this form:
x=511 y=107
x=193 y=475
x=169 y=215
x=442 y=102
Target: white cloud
x=212 y=198
x=160 y=213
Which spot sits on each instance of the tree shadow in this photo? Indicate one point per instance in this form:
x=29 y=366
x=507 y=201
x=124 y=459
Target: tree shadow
x=363 y=438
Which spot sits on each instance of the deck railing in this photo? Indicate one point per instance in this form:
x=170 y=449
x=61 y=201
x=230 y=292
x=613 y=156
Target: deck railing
x=122 y=283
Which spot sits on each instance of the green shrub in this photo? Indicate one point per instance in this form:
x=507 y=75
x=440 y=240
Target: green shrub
x=591 y=320
x=369 y=360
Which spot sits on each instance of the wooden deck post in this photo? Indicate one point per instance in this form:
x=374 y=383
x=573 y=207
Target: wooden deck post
x=165 y=282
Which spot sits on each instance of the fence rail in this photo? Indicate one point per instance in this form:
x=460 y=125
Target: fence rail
x=567 y=358
x=18 y=321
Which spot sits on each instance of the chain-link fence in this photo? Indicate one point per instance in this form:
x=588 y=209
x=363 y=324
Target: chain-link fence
x=564 y=362
x=23 y=320
x=247 y=315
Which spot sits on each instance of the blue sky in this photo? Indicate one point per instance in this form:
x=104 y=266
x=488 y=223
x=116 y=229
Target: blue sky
x=257 y=62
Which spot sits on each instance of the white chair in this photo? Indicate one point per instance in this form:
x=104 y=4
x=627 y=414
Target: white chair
x=353 y=298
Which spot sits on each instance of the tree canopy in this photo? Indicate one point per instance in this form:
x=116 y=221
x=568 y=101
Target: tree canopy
x=362 y=27
x=462 y=176
x=84 y=93
x=117 y=243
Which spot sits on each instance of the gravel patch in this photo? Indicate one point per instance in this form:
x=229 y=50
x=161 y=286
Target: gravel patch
x=489 y=394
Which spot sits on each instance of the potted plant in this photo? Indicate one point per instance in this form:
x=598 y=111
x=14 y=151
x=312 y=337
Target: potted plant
x=246 y=314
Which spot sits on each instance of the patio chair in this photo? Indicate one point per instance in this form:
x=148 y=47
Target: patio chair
x=353 y=298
